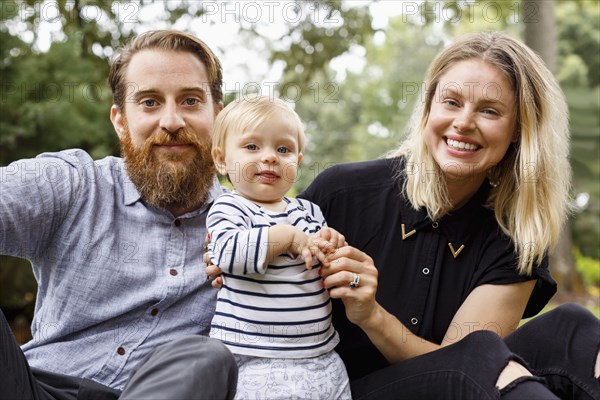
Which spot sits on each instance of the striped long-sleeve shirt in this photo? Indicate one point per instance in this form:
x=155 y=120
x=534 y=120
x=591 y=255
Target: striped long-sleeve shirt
x=279 y=310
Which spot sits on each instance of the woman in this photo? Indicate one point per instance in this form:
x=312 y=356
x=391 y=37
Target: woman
x=459 y=221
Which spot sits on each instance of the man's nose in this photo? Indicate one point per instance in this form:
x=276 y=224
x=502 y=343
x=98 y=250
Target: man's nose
x=171 y=119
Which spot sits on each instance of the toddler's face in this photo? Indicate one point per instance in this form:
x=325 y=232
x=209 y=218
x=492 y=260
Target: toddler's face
x=262 y=163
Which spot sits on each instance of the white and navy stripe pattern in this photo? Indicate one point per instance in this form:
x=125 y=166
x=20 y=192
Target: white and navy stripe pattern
x=280 y=310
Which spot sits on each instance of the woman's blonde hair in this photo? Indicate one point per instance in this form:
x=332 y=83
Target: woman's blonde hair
x=248 y=113
x=532 y=196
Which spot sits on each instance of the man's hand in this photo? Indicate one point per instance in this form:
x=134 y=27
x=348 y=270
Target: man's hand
x=212 y=271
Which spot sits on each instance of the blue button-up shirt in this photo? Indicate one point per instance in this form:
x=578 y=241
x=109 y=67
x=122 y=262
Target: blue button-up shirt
x=116 y=277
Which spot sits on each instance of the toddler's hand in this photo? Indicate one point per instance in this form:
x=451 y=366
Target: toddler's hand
x=332 y=236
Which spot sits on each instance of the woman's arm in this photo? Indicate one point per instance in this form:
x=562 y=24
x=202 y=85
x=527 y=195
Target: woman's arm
x=493 y=307
x=496 y=308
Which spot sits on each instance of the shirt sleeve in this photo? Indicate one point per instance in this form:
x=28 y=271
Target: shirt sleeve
x=238 y=246
x=35 y=197
x=315 y=212
x=499 y=268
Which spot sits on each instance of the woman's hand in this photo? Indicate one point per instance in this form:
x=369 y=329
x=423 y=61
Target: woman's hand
x=350 y=275
x=340 y=270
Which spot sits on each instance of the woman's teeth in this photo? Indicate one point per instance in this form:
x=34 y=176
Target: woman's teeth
x=455 y=144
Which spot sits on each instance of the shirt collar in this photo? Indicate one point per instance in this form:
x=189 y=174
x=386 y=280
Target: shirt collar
x=130 y=192
x=456 y=225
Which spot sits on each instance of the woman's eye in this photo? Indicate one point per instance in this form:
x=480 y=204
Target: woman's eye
x=451 y=103
x=490 y=112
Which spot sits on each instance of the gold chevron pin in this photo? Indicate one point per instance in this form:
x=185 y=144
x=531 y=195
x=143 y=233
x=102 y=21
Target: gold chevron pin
x=405 y=235
x=455 y=253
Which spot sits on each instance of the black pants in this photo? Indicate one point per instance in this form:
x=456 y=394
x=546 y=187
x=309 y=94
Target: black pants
x=20 y=382
x=559 y=347
x=191 y=367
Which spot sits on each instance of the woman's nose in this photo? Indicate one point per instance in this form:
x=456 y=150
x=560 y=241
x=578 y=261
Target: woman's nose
x=464 y=122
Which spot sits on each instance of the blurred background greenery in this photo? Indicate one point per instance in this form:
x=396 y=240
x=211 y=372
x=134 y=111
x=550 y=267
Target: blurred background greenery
x=352 y=68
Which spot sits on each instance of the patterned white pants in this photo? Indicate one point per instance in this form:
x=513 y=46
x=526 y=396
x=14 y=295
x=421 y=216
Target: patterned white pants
x=317 y=378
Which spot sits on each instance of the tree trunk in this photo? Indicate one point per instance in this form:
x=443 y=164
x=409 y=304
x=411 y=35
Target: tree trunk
x=541 y=35
x=540 y=29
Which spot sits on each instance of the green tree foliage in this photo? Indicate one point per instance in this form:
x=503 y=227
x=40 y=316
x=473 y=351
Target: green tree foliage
x=367 y=115
x=584 y=107
x=579 y=40
x=325 y=30
x=578 y=24
x=52 y=104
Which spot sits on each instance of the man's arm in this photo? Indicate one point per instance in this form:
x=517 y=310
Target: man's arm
x=36 y=196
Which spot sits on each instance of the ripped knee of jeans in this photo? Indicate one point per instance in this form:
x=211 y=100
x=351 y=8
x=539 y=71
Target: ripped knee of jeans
x=514 y=369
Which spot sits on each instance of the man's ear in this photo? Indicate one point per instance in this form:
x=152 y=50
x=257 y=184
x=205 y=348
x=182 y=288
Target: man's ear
x=118 y=120
x=219 y=160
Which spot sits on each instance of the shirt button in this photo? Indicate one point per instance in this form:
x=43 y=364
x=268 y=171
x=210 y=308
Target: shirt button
x=414 y=321
x=435 y=224
x=120 y=351
x=173 y=271
x=177 y=223
x=425 y=271
x=154 y=312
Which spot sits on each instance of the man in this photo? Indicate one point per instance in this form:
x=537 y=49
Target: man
x=116 y=244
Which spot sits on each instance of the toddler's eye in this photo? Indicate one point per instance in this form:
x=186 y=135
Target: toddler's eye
x=283 y=150
x=251 y=147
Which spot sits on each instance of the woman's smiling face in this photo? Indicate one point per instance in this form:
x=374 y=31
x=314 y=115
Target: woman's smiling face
x=472 y=120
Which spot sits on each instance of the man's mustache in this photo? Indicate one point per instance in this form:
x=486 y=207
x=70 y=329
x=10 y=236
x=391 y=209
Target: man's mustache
x=164 y=138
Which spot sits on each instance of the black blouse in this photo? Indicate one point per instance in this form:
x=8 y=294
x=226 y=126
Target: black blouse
x=426 y=269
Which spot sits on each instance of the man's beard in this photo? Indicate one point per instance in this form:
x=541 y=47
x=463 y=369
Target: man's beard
x=170 y=180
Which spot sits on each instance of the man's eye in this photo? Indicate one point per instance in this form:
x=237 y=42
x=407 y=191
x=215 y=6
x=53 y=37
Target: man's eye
x=251 y=147
x=149 y=103
x=191 y=101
